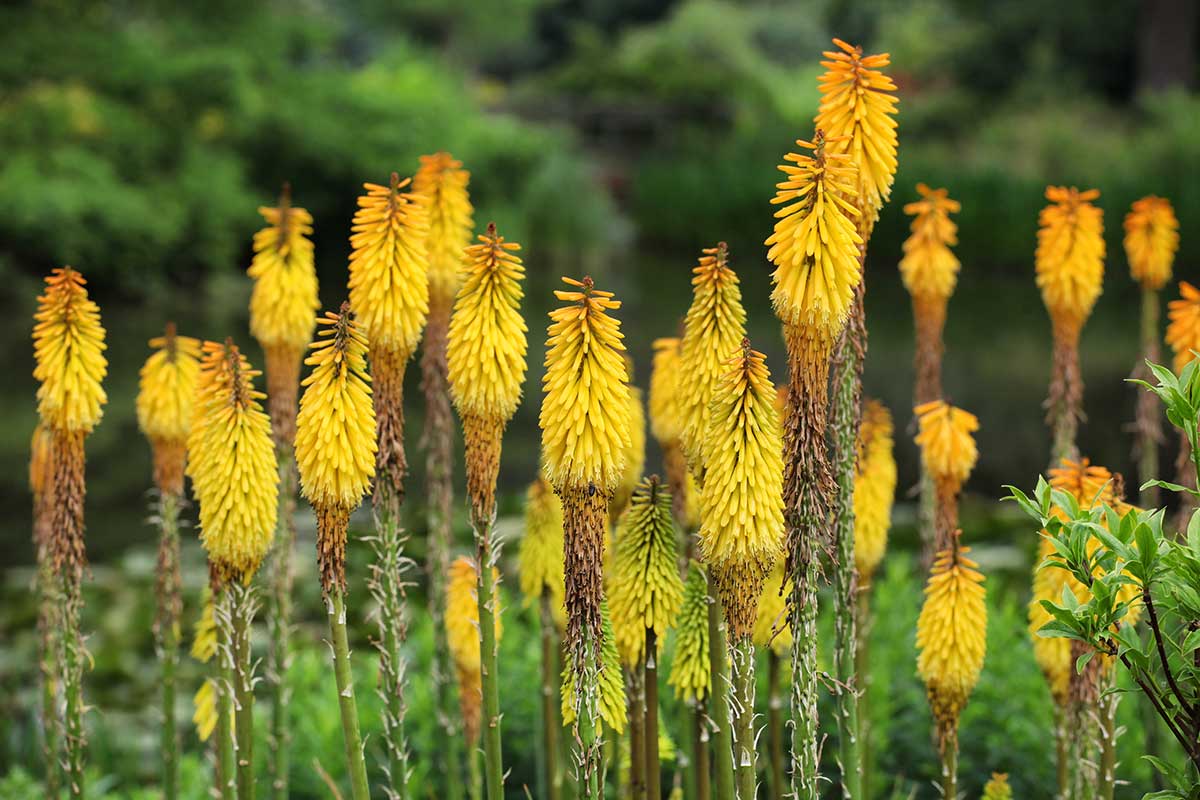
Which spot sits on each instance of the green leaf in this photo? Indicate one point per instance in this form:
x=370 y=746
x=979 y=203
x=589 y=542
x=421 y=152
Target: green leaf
x=1083 y=660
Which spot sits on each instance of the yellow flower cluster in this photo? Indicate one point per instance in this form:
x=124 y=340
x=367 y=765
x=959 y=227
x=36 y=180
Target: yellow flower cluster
x=997 y=788
x=741 y=513
x=611 y=683
x=1183 y=330
x=771 y=628
x=389 y=287
x=442 y=181
x=857 y=114
x=815 y=246
x=714 y=327
x=951 y=634
x=874 y=489
x=540 y=558
x=232 y=464
x=585 y=411
x=486 y=349
x=335 y=430
x=690 y=673
x=644 y=587
x=929 y=268
x=167 y=387
x=666 y=399
x=635 y=450
x=1070 y=255
x=1151 y=240
x=947 y=445
x=68 y=345
x=284 y=301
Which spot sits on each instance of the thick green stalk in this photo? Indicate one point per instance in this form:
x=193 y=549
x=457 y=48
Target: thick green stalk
x=775 y=725
x=845 y=420
x=489 y=659
x=279 y=618
x=1062 y=754
x=700 y=740
x=804 y=682
x=387 y=588
x=242 y=602
x=226 y=750
x=635 y=691
x=653 y=765
x=741 y=702
x=474 y=774
x=48 y=660
x=927 y=518
x=167 y=635
x=356 y=765
x=550 y=678
x=718 y=658
x=950 y=767
x=71 y=641
x=1108 y=737
x=863 y=670
x=588 y=756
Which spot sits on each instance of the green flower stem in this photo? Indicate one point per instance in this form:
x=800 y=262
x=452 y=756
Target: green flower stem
x=1062 y=753
x=741 y=702
x=1149 y=414
x=718 y=656
x=279 y=617
x=474 y=774
x=70 y=603
x=845 y=420
x=863 y=670
x=635 y=691
x=242 y=612
x=167 y=636
x=387 y=587
x=48 y=660
x=589 y=756
x=653 y=766
x=950 y=767
x=803 y=620
x=1108 y=737
x=550 y=722
x=685 y=772
x=226 y=758
x=490 y=659
x=700 y=740
x=775 y=724
x=335 y=605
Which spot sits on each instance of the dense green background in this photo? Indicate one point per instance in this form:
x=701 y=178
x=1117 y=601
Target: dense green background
x=611 y=138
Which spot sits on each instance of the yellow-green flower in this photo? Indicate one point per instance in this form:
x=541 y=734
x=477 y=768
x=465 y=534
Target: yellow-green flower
x=997 y=788
x=690 y=668
x=540 y=557
x=611 y=682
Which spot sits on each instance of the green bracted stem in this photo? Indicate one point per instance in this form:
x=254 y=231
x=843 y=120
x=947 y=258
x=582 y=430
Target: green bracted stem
x=387 y=589
x=804 y=682
x=950 y=767
x=775 y=724
x=862 y=668
x=226 y=758
x=242 y=611
x=351 y=735
x=653 y=766
x=1108 y=736
x=48 y=660
x=550 y=723
x=845 y=420
x=589 y=756
x=72 y=681
x=167 y=636
x=741 y=702
x=700 y=740
x=489 y=661
x=279 y=616
x=635 y=694
x=718 y=657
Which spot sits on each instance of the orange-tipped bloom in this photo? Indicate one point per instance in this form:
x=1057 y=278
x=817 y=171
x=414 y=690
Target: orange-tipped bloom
x=442 y=181
x=1151 y=240
x=858 y=114
x=389 y=287
x=232 y=464
x=68 y=345
x=874 y=489
x=714 y=327
x=929 y=268
x=815 y=246
x=1183 y=330
x=951 y=635
x=947 y=442
x=741 y=515
x=585 y=410
x=540 y=558
x=462 y=638
x=284 y=301
x=486 y=350
x=1070 y=255
x=166 y=396
x=335 y=437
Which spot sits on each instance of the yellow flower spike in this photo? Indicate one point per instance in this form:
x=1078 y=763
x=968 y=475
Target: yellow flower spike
x=283 y=305
x=166 y=395
x=1151 y=241
x=645 y=590
x=335 y=437
x=204 y=634
x=929 y=268
x=997 y=788
x=232 y=464
x=741 y=515
x=486 y=357
x=858 y=114
x=771 y=628
x=41 y=473
x=611 y=687
x=874 y=489
x=666 y=401
x=1183 y=329
x=951 y=636
x=815 y=246
x=1070 y=256
x=540 y=557
x=635 y=453
x=205 y=715
x=585 y=411
x=68 y=345
x=947 y=444
x=389 y=287
x=462 y=638
x=690 y=673
x=442 y=181
x=714 y=327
